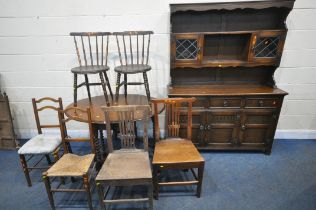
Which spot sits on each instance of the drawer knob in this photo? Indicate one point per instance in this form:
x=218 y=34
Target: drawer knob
x=201 y=127
x=261 y=103
x=243 y=127
x=225 y=103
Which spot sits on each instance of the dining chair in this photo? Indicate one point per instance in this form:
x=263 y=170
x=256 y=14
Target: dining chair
x=127 y=166
x=133 y=49
x=41 y=144
x=175 y=152
x=92 y=54
x=72 y=165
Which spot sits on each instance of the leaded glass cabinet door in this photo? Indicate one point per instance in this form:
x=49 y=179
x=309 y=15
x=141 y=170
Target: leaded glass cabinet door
x=186 y=49
x=267 y=46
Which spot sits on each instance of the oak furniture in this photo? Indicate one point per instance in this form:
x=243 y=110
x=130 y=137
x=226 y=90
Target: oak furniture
x=98 y=119
x=92 y=54
x=72 y=165
x=129 y=165
x=225 y=55
x=7 y=135
x=42 y=144
x=133 y=49
x=175 y=152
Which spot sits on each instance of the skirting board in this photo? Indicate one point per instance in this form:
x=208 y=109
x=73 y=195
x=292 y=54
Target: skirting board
x=280 y=134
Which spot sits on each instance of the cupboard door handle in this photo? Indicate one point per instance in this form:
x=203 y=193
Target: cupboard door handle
x=225 y=103
x=243 y=127
x=261 y=103
x=209 y=127
x=201 y=127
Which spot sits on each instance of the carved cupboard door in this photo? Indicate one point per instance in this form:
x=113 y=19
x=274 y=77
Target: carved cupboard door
x=222 y=127
x=257 y=127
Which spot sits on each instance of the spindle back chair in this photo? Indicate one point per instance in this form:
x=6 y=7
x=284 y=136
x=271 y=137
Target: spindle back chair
x=92 y=55
x=41 y=144
x=176 y=152
x=133 y=49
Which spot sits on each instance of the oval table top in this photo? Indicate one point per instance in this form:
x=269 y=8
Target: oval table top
x=99 y=101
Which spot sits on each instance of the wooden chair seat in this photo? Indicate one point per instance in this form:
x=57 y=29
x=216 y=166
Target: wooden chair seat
x=125 y=166
x=176 y=150
x=71 y=165
x=132 y=68
x=89 y=69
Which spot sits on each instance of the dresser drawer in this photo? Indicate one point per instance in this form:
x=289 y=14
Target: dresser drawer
x=200 y=102
x=261 y=102
x=225 y=102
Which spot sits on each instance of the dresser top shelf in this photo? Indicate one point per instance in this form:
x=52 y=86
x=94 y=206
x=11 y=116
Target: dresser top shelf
x=227 y=90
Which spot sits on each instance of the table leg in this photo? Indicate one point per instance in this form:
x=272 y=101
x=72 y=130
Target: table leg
x=98 y=156
x=152 y=145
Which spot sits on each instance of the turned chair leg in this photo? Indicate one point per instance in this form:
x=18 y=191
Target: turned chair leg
x=125 y=85
x=101 y=195
x=146 y=86
x=150 y=196
x=25 y=170
x=117 y=87
x=108 y=84
x=88 y=86
x=48 y=159
x=86 y=185
x=75 y=89
x=104 y=90
x=200 y=179
x=48 y=190
x=155 y=181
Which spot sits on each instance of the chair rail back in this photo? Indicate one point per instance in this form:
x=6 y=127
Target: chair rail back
x=75 y=114
x=173 y=109
x=91 y=47
x=126 y=117
x=36 y=110
x=127 y=41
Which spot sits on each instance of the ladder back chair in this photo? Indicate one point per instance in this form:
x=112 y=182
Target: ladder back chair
x=72 y=165
x=175 y=152
x=42 y=144
x=92 y=54
x=133 y=49
x=127 y=166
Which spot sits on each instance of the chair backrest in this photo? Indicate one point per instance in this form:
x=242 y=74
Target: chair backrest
x=91 y=48
x=75 y=114
x=126 y=116
x=133 y=46
x=173 y=108
x=48 y=107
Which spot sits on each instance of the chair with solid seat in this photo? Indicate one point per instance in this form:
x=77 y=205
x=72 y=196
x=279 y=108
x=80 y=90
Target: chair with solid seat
x=94 y=47
x=133 y=49
x=129 y=165
x=175 y=152
x=72 y=165
x=41 y=144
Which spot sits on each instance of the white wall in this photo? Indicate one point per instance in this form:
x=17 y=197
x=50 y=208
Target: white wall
x=36 y=54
